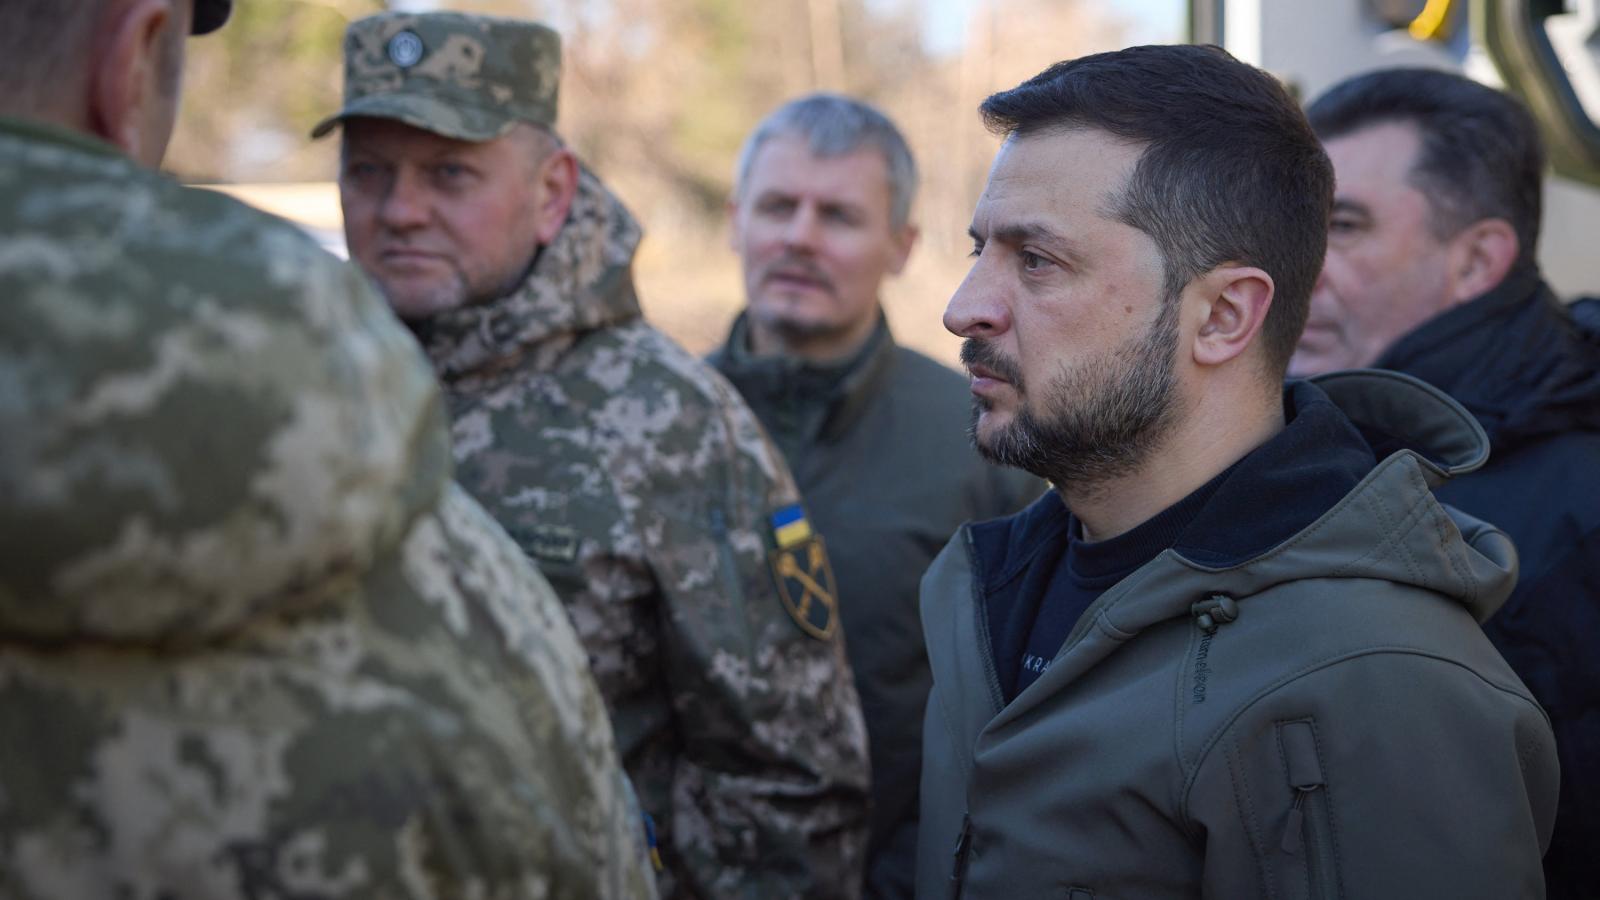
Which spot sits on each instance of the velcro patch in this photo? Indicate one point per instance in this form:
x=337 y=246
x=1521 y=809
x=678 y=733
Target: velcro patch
x=549 y=543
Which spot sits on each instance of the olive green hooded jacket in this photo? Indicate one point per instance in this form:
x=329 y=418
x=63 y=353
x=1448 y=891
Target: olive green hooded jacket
x=1324 y=719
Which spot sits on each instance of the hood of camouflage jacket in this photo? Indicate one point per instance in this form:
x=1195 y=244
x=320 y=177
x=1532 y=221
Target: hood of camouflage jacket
x=581 y=281
x=204 y=419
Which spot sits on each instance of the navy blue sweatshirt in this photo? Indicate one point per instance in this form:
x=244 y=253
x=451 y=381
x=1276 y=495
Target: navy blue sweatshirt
x=1266 y=497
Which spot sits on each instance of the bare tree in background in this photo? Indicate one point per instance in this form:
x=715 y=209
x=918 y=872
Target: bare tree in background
x=657 y=97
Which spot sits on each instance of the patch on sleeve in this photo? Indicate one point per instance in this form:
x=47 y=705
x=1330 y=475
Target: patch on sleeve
x=789 y=526
x=549 y=543
x=803 y=574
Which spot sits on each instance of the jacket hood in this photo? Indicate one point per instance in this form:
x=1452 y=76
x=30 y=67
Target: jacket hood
x=1514 y=357
x=206 y=418
x=581 y=281
x=1389 y=526
x=1332 y=511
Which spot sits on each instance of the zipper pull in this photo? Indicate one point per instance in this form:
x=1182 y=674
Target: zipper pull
x=1305 y=775
x=958 y=862
x=1294 y=828
x=1214 y=611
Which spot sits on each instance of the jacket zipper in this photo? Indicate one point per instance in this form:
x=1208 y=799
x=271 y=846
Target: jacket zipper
x=958 y=861
x=1306 y=828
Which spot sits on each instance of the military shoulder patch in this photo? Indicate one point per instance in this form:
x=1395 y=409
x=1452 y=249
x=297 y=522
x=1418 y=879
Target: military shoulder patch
x=803 y=574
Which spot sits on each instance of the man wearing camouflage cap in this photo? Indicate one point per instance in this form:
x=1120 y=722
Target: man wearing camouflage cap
x=253 y=643
x=635 y=476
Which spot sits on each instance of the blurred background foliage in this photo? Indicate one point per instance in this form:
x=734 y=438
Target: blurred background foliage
x=657 y=96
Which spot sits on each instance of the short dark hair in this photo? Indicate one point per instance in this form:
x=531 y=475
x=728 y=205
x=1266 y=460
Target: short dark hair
x=1231 y=171
x=43 y=48
x=1481 y=157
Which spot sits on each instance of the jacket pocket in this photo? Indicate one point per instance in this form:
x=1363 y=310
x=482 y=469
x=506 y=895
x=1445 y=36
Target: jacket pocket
x=1307 y=848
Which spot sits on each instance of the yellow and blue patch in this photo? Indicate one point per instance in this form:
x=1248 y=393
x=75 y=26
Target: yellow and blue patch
x=789 y=526
x=803 y=574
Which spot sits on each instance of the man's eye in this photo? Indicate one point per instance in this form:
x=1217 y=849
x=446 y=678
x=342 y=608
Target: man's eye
x=450 y=171
x=977 y=249
x=361 y=170
x=775 y=207
x=1343 y=226
x=1032 y=261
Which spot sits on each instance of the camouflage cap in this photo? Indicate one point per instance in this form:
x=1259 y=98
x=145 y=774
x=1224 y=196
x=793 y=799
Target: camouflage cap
x=209 y=15
x=462 y=76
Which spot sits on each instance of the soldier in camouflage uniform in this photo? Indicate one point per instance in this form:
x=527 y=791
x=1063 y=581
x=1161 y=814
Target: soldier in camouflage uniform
x=629 y=470
x=253 y=642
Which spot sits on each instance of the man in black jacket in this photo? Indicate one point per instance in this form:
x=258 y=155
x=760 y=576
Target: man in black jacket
x=1430 y=271
x=874 y=432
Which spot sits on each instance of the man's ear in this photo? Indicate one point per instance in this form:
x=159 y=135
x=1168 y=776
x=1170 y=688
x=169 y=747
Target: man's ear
x=1233 y=302
x=1480 y=257
x=122 y=78
x=557 y=179
x=904 y=239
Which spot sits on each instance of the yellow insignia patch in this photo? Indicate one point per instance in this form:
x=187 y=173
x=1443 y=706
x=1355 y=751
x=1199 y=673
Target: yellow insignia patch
x=806 y=586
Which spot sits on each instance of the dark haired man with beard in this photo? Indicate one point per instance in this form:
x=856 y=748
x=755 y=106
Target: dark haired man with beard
x=1235 y=652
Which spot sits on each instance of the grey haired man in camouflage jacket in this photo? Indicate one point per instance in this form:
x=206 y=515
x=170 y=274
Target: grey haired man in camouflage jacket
x=253 y=642
x=629 y=470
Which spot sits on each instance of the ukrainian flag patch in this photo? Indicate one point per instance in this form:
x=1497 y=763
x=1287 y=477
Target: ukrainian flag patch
x=789 y=527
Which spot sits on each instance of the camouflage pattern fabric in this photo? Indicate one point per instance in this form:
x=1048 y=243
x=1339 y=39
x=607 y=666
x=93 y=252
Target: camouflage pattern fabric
x=253 y=642
x=646 y=489
x=463 y=76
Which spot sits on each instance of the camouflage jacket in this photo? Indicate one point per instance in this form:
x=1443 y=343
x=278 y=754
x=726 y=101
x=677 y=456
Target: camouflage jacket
x=253 y=642
x=647 y=492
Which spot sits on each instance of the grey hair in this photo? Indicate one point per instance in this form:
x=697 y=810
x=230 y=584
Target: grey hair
x=833 y=125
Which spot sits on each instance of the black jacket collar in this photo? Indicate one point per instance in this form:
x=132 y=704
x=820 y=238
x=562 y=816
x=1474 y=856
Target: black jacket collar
x=838 y=392
x=1513 y=357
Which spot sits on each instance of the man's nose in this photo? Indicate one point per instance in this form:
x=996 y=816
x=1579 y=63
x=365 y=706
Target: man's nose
x=801 y=232
x=405 y=205
x=977 y=309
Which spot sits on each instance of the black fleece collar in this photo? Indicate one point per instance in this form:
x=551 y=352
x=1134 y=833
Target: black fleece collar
x=838 y=392
x=1513 y=357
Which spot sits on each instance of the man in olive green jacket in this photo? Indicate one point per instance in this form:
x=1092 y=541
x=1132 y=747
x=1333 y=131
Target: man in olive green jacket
x=1235 y=653
x=874 y=432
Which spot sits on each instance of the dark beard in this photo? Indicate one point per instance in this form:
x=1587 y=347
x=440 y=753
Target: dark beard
x=1101 y=418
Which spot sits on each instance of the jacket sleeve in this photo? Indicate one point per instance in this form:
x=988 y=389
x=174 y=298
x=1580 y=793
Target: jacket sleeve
x=578 y=825
x=769 y=796
x=1392 y=774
